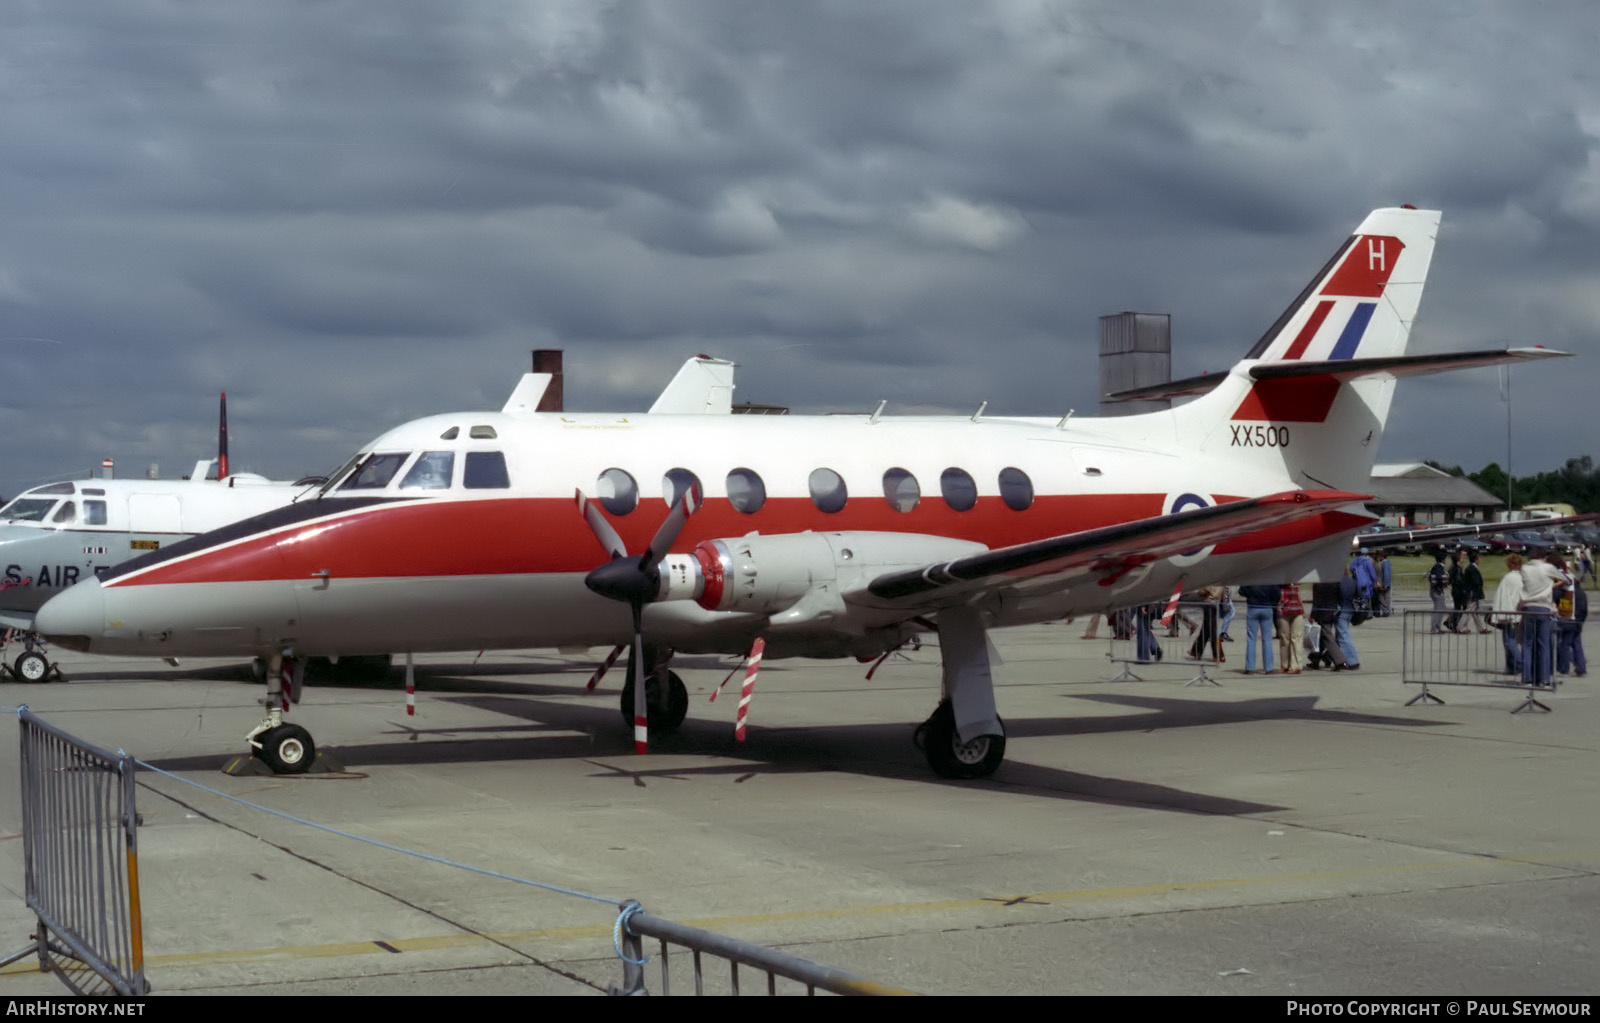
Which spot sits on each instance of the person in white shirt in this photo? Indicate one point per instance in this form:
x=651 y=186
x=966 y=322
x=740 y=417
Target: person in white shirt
x=1539 y=578
x=1506 y=598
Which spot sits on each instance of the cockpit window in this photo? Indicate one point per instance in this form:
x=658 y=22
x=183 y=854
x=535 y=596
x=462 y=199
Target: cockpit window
x=27 y=509
x=485 y=470
x=376 y=472
x=66 y=513
x=94 y=512
x=483 y=433
x=339 y=473
x=54 y=488
x=432 y=471
x=451 y=434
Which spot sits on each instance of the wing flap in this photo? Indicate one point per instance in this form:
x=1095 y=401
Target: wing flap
x=1111 y=550
x=1434 y=534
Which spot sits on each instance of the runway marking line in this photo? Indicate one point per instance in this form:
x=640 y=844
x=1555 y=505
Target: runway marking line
x=466 y=940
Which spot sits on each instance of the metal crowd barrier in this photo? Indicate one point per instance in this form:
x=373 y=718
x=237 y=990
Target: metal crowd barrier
x=1138 y=639
x=80 y=850
x=1432 y=655
x=636 y=924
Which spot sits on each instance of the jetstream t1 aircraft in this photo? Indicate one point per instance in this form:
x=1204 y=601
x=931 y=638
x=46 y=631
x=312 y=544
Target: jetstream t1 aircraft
x=816 y=536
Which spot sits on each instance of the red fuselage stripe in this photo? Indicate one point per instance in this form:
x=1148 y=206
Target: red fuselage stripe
x=545 y=535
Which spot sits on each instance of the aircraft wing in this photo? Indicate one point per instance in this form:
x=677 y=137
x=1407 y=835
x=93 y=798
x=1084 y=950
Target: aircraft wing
x=1108 y=552
x=1434 y=534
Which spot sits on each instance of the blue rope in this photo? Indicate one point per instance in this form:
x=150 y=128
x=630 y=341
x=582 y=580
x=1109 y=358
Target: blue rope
x=616 y=933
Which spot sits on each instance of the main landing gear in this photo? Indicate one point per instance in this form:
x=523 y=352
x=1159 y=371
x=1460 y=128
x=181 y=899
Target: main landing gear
x=282 y=747
x=33 y=664
x=664 y=691
x=965 y=738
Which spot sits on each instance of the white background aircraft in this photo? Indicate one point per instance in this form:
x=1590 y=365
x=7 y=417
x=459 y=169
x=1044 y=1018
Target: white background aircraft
x=817 y=536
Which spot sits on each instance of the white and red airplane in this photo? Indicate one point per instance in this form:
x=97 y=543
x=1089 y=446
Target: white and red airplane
x=817 y=536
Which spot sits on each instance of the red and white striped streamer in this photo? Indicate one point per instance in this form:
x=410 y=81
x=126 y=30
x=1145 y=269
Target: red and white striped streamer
x=411 y=689
x=605 y=666
x=286 y=678
x=1172 y=604
x=752 y=668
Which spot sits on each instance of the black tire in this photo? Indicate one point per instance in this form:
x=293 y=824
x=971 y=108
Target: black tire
x=31 y=666
x=665 y=718
x=287 y=749
x=949 y=758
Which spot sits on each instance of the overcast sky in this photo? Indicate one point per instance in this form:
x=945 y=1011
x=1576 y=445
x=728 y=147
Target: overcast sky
x=351 y=214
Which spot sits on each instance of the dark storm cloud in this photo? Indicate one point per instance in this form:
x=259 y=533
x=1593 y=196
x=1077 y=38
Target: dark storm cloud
x=348 y=214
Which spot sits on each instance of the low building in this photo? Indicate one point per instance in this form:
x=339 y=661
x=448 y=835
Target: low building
x=1414 y=494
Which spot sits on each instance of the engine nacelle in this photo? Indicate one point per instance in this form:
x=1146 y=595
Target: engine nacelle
x=768 y=574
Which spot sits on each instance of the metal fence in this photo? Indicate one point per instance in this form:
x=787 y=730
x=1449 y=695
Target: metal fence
x=688 y=966
x=1508 y=650
x=1139 y=642
x=81 y=860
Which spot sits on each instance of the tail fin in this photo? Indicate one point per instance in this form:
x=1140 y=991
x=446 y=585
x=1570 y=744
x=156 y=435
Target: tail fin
x=1322 y=429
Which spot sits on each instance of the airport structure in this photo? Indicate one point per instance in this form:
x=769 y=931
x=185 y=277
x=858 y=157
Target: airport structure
x=1416 y=494
x=1135 y=351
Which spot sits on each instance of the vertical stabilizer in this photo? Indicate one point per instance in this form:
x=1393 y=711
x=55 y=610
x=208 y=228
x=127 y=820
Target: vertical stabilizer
x=1320 y=430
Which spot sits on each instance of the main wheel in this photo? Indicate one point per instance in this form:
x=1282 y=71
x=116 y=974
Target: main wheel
x=287 y=749
x=31 y=666
x=949 y=756
x=665 y=716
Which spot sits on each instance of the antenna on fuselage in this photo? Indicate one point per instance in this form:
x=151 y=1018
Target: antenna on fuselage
x=979 y=414
x=878 y=411
x=1062 y=425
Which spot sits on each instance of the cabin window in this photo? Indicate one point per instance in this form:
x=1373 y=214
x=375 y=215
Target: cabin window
x=618 y=493
x=451 y=434
x=1016 y=489
x=677 y=482
x=66 y=513
x=431 y=472
x=376 y=472
x=485 y=470
x=958 y=489
x=94 y=512
x=26 y=509
x=827 y=490
x=900 y=489
x=746 y=492
x=482 y=433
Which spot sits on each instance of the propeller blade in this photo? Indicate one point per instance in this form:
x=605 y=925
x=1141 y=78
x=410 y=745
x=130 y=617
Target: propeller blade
x=641 y=702
x=601 y=529
x=667 y=535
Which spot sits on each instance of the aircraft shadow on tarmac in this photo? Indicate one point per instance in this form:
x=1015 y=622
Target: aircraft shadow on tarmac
x=592 y=732
x=584 y=725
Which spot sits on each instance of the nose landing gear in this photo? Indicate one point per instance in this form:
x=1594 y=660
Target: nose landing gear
x=276 y=746
x=33 y=664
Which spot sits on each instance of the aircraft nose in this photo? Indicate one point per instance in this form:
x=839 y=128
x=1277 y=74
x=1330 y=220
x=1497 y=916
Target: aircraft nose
x=73 y=617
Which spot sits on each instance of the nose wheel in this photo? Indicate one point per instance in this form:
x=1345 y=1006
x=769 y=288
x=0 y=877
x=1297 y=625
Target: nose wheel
x=31 y=665
x=287 y=749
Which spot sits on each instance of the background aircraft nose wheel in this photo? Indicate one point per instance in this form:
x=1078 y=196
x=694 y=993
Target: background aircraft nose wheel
x=949 y=756
x=287 y=749
x=665 y=716
x=31 y=666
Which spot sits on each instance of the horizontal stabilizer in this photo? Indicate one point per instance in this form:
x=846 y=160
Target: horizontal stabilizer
x=1439 y=534
x=1344 y=369
x=1112 y=550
